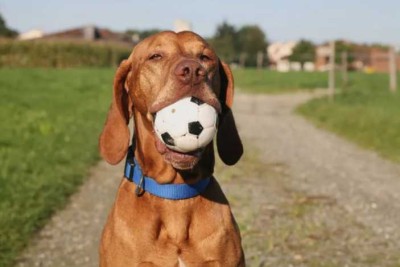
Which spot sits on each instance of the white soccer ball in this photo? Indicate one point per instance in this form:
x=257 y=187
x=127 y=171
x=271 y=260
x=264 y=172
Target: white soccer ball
x=186 y=125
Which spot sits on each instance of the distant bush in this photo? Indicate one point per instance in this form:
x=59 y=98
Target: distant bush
x=60 y=54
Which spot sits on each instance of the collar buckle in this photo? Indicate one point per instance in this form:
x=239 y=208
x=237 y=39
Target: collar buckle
x=139 y=187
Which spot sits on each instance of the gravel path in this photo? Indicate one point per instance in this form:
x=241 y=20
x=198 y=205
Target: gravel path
x=322 y=163
x=306 y=158
x=72 y=236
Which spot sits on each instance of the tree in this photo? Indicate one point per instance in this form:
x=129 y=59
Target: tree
x=225 y=42
x=4 y=30
x=304 y=51
x=251 y=40
x=343 y=46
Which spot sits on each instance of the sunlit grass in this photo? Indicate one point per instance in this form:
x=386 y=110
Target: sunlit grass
x=267 y=81
x=365 y=112
x=50 y=121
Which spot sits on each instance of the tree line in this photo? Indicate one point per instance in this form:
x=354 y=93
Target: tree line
x=245 y=46
x=232 y=45
x=241 y=46
x=5 y=31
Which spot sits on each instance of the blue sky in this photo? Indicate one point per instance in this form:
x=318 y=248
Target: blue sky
x=282 y=20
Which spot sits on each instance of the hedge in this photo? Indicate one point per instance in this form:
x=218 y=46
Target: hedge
x=60 y=54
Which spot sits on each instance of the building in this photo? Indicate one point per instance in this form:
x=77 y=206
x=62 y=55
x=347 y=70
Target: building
x=378 y=60
x=278 y=55
x=322 y=54
x=360 y=58
x=182 y=25
x=30 y=35
x=91 y=33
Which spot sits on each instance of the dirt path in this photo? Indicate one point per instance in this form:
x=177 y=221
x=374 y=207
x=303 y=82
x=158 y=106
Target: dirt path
x=71 y=237
x=302 y=197
x=324 y=201
x=322 y=163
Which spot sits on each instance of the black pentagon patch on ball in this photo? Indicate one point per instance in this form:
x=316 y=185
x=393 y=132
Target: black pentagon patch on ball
x=195 y=128
x=196 y=100
x=168 y=139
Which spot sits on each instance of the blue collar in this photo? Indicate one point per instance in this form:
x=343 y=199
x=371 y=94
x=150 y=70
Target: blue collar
x=133 y=173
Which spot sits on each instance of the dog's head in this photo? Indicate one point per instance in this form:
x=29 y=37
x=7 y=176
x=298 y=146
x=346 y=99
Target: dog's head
x=161 y=70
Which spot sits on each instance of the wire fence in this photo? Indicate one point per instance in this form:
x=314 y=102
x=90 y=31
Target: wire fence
x=329 y=59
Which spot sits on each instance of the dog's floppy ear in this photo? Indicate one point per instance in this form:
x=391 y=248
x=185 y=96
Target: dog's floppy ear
x=229 y=145
x=114 y=140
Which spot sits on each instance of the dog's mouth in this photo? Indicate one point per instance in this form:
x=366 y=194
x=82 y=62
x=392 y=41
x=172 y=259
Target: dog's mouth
x=179 y=160
x=158 y=105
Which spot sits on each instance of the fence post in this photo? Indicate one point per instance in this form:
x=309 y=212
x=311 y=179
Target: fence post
x=260 y=59
x=345 y=77
x=332 y=70
x=392 y=69
x=242 y=60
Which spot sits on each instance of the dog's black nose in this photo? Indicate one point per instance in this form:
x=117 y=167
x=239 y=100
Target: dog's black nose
x=190 y=72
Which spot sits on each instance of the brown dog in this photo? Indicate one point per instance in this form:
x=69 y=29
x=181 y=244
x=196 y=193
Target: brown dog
x=147 y=230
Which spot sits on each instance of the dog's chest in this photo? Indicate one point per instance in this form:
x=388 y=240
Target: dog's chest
x=174 y=228
x=169 y=233
x=188 y=222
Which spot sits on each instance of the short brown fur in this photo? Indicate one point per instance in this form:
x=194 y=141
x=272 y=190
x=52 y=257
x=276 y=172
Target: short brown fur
x=147 y=230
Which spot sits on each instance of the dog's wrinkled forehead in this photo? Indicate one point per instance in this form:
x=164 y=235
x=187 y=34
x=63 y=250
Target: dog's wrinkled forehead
x=171 y=43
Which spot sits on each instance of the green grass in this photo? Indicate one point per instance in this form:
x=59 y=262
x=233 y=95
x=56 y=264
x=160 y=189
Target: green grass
x=365 y=112
x=267 y=81
x=50 y=122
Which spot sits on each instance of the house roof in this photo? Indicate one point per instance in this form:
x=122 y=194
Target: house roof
x=90 y=33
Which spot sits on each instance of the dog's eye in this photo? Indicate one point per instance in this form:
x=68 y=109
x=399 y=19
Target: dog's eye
x=204 y=58
x=155 y=57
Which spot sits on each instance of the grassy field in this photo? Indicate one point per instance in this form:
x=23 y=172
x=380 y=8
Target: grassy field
x=365 y=112
x=50 y=121
x=265 y=81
